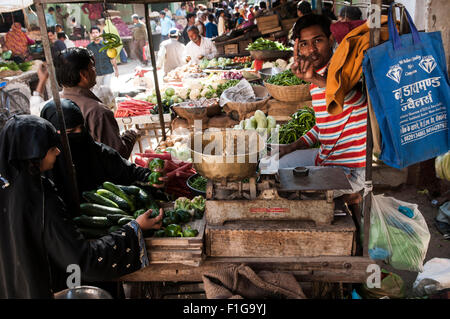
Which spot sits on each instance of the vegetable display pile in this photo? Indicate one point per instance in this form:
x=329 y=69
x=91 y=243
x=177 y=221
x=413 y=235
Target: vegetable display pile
x=265 y=44
x=110 y=207
x=185 y=210
x=134 y=107
x=199 y=183
x=226 y=85
x=285 y=78
x=302 y=121
x=258 y=122
x=13 y=66
x=232 y=75
x=177 y=172
x=244 y=59
x=168 y=98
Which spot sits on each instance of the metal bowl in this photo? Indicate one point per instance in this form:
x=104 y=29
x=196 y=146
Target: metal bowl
x=220 y=164
x=268 y=72
x=83 y=292
x=195 y=190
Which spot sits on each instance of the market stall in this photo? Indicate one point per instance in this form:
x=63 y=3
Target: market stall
x=265 y=210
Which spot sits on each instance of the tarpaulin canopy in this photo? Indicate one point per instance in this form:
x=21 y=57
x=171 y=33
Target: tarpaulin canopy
x=14 y=5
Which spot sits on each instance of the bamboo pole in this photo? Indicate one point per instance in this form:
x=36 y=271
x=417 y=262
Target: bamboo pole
x=155 y=71
x=54 y=86
x=375 y=17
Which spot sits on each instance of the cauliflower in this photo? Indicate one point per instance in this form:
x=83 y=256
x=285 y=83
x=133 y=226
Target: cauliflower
x=268 y=65
x=204 y=92
x=281 y=64
x=195 y=94
x=182 y=92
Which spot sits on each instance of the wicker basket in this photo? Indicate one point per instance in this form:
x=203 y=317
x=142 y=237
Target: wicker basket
x=292 y=93
x=270 y=54
x=238 y=111
x=8 y=73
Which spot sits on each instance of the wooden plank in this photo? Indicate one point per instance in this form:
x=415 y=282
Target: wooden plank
x=344 y=268
x=319 y=211
x=271 y=30
x=280 y=239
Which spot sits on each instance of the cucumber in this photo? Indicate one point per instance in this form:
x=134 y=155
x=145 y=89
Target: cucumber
x=93 y=233
x=130 y=190
x=116 y=199
x=116 y=190
x=115 y=217
x=93 y=197
x=93 y=221
x=124 y=220
x=99 y=210
x=143 y=197
x=113 y=228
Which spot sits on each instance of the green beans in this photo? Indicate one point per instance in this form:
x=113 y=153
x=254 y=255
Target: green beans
x=285 y=78
x=264 y=44
x=302 y=121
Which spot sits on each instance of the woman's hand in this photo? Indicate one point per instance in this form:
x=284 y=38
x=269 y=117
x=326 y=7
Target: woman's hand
x=146 y=223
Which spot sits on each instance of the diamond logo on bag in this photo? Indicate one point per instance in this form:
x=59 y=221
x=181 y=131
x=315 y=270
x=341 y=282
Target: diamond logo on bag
x=395 y=73
x=428 y=64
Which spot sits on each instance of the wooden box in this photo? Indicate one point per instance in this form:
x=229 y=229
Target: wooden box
x=180 y=250
x=281 y=239
x=267 y=22
x=272 y=30
x=287 y=24
x=243 y=45
x=231 y=48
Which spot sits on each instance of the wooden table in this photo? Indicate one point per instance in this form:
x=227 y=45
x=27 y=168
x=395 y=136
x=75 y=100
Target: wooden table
x=345 y=269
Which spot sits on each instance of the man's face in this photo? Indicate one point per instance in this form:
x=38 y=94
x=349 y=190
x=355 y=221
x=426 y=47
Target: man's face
x=162 y=16
x=314 y=44
x=89 y=75
x=94 y=34
x=193 y=35
x=51 y=37
x=192 y=20
x=183 y=7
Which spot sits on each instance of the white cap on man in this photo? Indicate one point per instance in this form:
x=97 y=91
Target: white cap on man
x=173 y=33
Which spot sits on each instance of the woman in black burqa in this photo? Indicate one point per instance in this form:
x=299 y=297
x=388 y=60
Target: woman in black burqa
x=94 y=162
x=38 y=239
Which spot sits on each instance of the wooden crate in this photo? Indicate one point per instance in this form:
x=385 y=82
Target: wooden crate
x=243 y=45
x=320 y=211
x=231 y=48
x=280 y=239
x=272 y=30
x=181 y=250
x=287 y=24
x=267 y=22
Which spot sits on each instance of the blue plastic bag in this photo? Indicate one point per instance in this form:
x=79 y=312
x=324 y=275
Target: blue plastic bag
x=409 y=88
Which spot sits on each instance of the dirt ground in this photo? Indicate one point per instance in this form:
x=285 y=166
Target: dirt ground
x=438 y=246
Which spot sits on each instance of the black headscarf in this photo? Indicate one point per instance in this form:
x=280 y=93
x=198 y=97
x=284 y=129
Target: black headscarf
x=94 y=162
x=72 y=114
x=38 y=240
x=24 y=141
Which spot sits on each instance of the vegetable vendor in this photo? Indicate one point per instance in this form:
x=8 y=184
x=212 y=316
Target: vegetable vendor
x=199 y=47
x=38 y=238
x=94 y=162
x=342 y=136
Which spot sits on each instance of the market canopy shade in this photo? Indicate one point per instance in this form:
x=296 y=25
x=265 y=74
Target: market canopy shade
x=14 y=5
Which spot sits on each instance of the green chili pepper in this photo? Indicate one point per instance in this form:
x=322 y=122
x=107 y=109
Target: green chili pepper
x=183 y=215
x=156 y=163
x=154 y=178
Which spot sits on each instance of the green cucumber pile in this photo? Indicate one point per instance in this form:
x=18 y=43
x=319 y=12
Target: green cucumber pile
x=285 y=78
x=110 y=207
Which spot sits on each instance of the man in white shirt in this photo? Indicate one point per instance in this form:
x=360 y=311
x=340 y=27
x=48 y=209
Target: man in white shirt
x=170 y=52
x=199 y=47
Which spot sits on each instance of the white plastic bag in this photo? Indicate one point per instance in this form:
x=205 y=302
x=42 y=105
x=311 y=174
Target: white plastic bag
x=399 y=240
x=435 y=277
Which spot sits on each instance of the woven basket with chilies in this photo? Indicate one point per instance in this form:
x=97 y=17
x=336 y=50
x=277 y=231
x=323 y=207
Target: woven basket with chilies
x=293 y=93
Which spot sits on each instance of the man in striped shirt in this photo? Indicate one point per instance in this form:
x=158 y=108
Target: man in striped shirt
x=342 y=137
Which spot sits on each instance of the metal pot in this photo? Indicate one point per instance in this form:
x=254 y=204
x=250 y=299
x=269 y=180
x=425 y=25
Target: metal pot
x=83 y=292
x=234 y=166
x=268 y=72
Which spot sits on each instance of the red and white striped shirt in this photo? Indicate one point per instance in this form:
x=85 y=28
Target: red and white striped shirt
x=342 y=136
